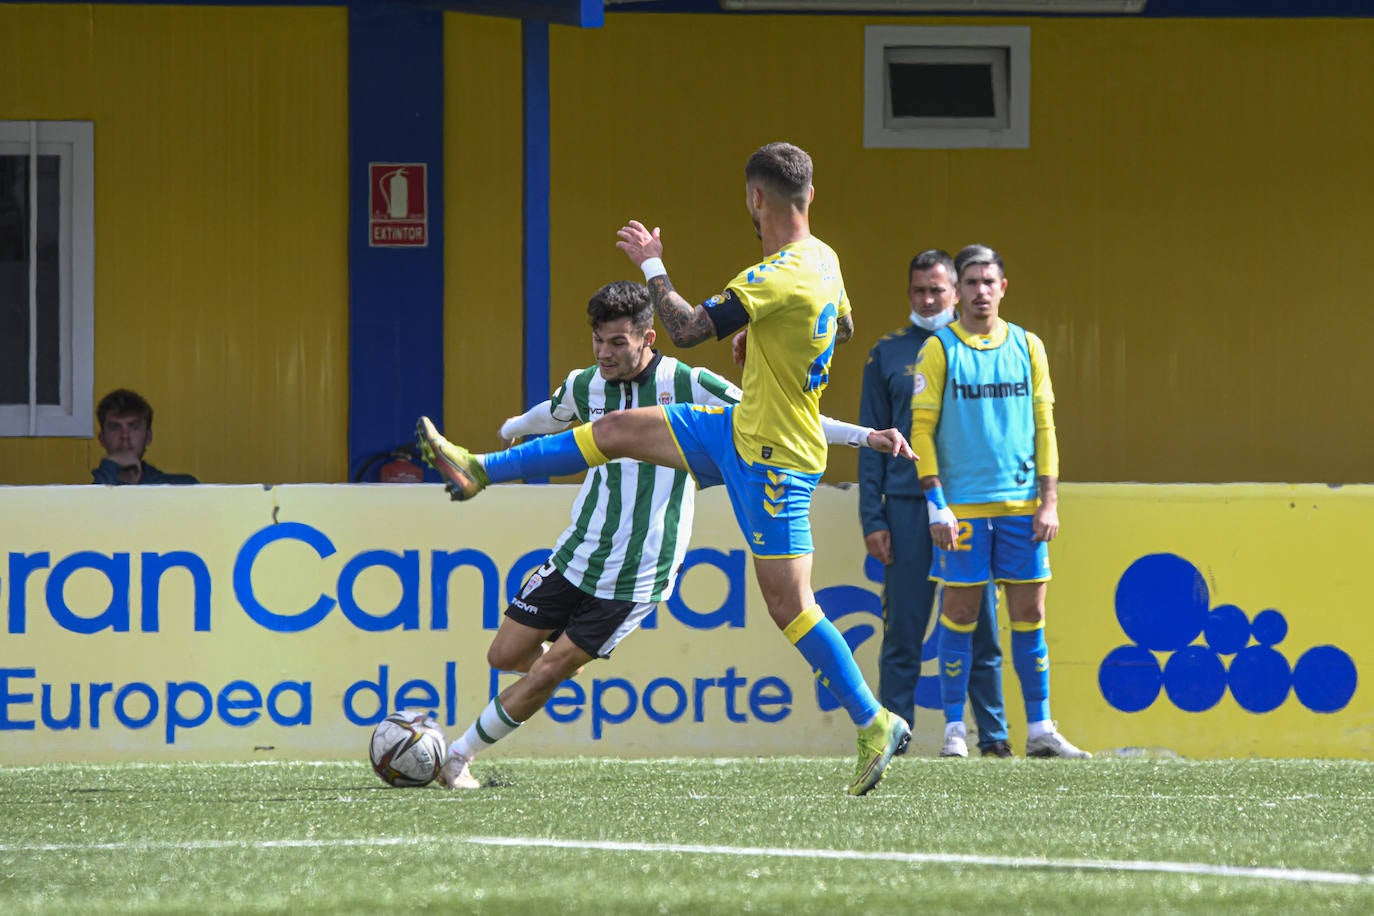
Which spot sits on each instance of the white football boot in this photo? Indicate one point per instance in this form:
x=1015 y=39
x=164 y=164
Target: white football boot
x=454 y=774
x=956 y=742
x=1053 y=744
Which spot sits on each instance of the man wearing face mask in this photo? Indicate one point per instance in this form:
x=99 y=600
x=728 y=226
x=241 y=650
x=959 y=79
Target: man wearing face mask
x=892 y=509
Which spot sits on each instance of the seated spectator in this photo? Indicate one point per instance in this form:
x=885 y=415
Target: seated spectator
x=126 y=430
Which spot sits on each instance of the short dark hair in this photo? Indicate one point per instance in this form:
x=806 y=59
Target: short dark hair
x=782 y=168
x=929 y=260
x=122 y=402
x=977 y=254
x=622 y=299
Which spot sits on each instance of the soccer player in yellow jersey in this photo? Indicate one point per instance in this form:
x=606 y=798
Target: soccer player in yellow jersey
x=769 y=450
x=983 y=415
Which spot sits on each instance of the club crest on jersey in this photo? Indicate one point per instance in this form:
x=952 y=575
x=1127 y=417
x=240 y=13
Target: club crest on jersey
x=665 y=397
x=534 y=582
x=766 y=451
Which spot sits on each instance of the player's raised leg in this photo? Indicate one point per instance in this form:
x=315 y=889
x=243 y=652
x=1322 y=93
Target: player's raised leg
x=640 y=433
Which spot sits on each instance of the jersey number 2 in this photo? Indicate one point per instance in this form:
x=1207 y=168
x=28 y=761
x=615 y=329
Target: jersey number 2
x=819 y=372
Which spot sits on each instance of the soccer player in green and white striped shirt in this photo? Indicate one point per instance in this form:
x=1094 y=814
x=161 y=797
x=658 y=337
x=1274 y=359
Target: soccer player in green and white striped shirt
x=630 y=523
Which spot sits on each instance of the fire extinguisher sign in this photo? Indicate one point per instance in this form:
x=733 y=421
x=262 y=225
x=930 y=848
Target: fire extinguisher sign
x=398 y=216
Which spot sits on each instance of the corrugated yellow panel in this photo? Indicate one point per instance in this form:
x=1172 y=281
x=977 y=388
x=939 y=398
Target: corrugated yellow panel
x=1168 y=232
x=221 y=278
x=483 y=230
x=1182 y=231
x=45 y=54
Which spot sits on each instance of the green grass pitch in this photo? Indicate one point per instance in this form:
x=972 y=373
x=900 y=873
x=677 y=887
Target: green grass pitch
x=759 y=835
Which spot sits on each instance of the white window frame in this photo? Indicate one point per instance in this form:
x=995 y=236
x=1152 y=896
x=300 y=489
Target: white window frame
x=74 y=143
x=1005 y=48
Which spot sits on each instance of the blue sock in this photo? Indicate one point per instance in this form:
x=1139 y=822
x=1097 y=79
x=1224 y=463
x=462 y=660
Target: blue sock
x=1031 y=657
x=833 y=664
x=547 y=456
x=956 y=658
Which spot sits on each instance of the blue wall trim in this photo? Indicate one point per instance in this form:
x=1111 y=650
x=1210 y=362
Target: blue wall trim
x=396 y=295
x=535 y=46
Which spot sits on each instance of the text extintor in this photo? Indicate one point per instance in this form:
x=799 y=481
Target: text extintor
x=398 y=211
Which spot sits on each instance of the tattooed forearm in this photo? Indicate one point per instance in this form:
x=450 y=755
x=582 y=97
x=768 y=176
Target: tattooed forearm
x=687 y=325
x=844 y=328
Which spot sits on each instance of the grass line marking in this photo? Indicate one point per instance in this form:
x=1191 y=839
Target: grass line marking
x=1291 y=875
x=1177 y=868
x=146 y=846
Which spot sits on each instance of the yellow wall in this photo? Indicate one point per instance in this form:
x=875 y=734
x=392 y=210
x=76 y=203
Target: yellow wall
x=221 y=285
x=1188 y=221
x=483 y=288
x=1194 y=190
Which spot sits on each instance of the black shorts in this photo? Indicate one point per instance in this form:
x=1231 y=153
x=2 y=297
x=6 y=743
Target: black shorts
x=548 y=601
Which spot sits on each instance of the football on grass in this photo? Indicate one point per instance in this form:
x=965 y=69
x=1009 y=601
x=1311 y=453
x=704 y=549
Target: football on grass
x=408 y=748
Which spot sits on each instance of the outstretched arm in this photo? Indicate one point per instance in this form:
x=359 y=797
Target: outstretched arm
x=536 y=421
x=888 y=441
x=687 y=325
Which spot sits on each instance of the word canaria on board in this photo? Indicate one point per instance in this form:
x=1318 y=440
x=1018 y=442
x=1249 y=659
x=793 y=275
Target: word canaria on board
x=189 y=704
x=118 y=570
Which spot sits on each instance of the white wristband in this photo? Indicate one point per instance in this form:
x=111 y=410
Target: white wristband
x=943 y=516
x=653 y=267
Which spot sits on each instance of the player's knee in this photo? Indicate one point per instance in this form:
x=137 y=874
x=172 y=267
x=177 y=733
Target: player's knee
x=1034 y=616
x=960 y=618
x=784 y=613
x=959 y=607
x=611 y=432
x=504 y=658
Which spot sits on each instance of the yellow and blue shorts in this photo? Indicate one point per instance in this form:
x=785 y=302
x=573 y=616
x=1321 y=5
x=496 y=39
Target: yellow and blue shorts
x=1000 y=548
x=772 y=505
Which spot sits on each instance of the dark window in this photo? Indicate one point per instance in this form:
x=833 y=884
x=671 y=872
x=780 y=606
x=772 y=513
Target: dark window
x=941 y=90
x=15 y=252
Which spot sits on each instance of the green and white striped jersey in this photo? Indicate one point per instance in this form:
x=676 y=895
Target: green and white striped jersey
x=632 y=519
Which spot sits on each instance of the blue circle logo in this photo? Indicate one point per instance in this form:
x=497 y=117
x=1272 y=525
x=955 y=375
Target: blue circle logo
x=1163 y=606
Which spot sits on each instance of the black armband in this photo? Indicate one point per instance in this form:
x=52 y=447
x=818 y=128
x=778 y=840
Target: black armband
x=726 y=312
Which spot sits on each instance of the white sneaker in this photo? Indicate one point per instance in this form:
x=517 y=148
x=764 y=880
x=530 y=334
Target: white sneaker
x=1053 y=744
x=955 y=744
x=455 y=774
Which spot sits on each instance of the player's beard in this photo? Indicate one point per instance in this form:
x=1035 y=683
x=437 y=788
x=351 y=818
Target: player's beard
x=636 y=366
